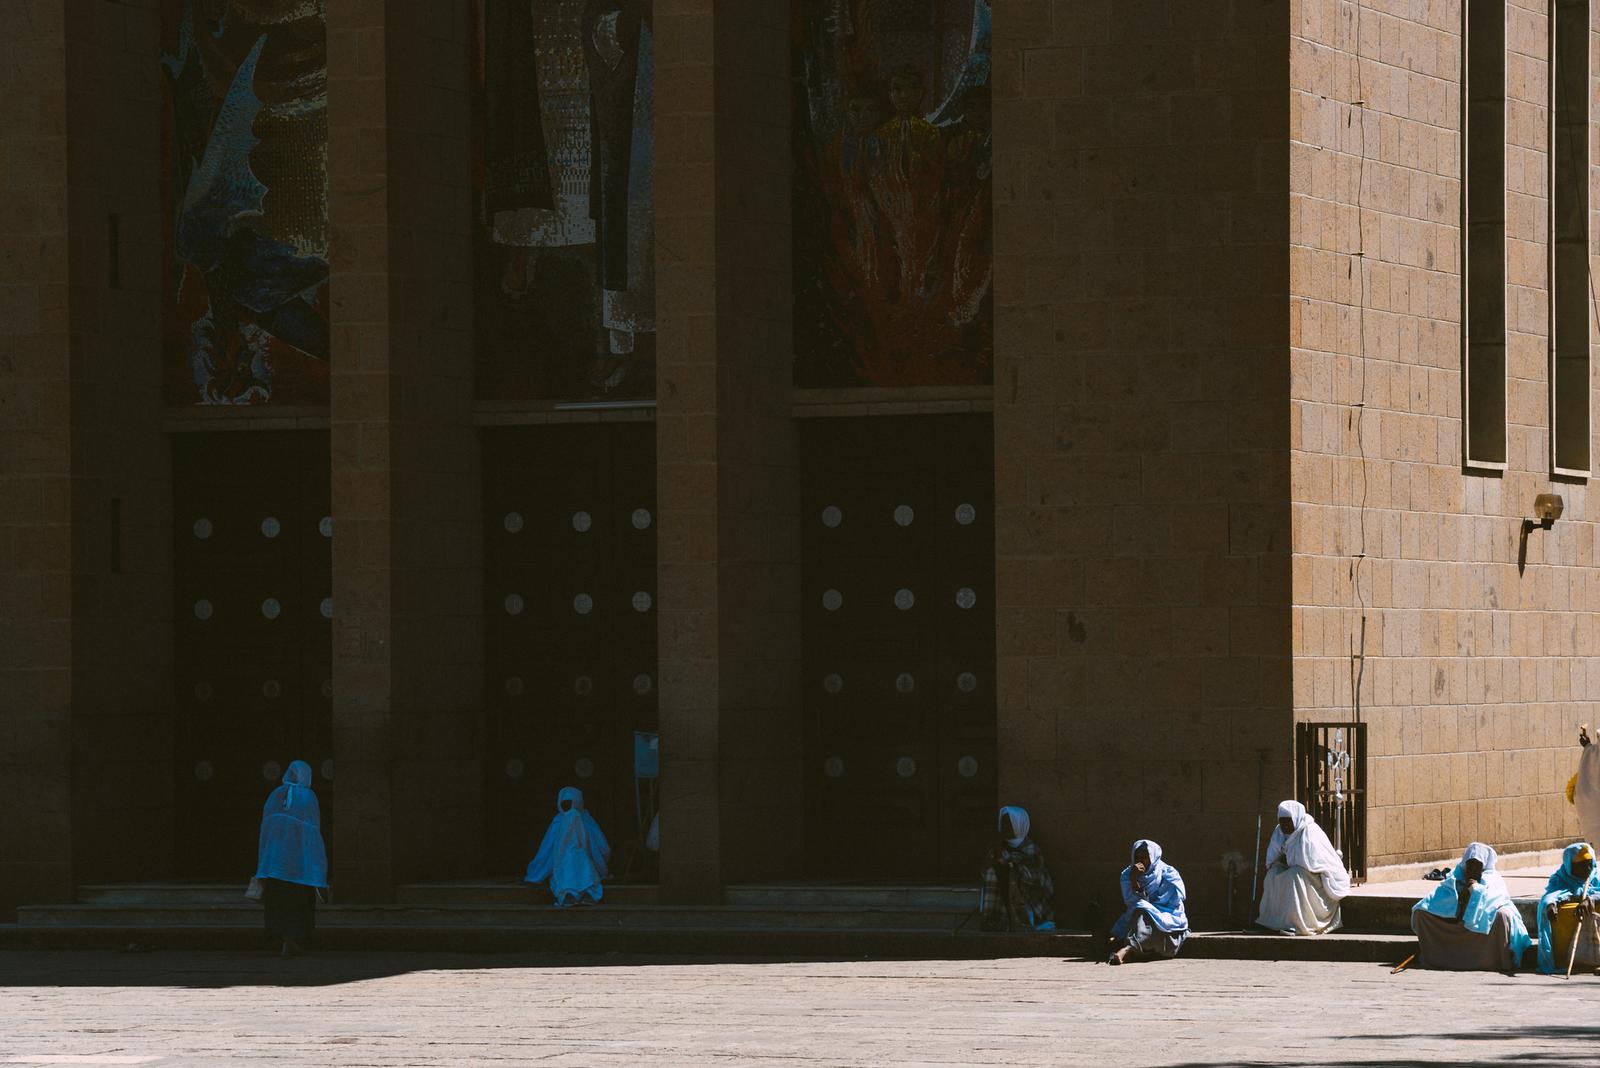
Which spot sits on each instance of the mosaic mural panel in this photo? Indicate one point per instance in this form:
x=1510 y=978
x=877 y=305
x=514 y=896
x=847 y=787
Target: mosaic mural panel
x=566 y=199
x=892 y=193
x=246 y=202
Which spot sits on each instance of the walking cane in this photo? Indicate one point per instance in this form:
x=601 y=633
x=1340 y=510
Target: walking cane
x=1398 y=968
x=1572 y=954
x=1255 y=857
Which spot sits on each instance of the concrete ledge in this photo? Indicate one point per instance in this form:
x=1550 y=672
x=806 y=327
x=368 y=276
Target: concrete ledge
x=730 y=942
x=1371 y=913
x=1547 y=860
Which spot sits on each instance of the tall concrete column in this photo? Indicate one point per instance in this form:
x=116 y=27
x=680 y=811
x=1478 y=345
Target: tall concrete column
x=122 y=708
x=407 y=548
x=1141 y=429
x=35 y=462
x=728 y=472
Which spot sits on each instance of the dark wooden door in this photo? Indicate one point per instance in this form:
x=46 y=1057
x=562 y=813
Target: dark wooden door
x=570 y=568
x=253 y=659
x=898 y=632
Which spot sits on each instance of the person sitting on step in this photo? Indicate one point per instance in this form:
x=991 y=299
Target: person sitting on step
x=1469 y=922
x=572 y=858
x=1017 y=891
x=1305 y=878
x=1154 y=925
x=1575 y=881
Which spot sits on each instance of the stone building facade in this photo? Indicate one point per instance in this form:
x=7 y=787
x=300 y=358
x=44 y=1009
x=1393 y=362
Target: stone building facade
x=1220 y=483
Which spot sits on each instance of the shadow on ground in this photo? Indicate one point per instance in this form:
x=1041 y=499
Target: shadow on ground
x=214 y=970
x=1569 y=1045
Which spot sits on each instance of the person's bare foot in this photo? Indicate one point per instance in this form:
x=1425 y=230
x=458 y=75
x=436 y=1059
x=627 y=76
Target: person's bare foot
x=1119 y=957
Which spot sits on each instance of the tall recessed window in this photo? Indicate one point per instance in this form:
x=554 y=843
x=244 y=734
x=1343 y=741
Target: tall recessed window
x=1484 y=235
x=1569 y=237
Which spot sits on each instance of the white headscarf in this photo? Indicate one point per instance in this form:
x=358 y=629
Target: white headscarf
x=1308 y=847
x=573 y=854
x=1019 y=824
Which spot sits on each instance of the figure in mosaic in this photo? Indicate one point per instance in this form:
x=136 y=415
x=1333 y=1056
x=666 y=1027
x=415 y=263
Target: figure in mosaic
x=892 y=193
x=247 y=202
x=566 y=289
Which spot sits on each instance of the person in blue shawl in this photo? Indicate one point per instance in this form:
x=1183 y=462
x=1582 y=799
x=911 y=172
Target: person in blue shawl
x=1469 y=922
x=292 y=862
x=572 y=857
x=1154 y=925
x=1575 y=880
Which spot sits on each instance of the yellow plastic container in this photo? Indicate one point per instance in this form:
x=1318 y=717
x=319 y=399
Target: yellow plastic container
x=1566 y=928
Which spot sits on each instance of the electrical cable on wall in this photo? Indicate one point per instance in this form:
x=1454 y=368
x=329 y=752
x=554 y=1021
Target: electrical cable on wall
x=1356 y=421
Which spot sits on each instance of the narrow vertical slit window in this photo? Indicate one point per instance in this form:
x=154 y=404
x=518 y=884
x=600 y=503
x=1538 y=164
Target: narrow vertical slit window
x=116 y=535
x=114 y=251
x=1483 y=287
x=1569 y=238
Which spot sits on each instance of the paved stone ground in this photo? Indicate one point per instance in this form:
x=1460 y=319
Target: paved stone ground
x=168 y=1009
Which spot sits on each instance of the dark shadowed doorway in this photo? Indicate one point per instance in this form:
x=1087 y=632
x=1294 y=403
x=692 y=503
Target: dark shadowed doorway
x=899 y=653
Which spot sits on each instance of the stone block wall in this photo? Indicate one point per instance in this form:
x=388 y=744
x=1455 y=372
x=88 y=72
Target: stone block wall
x=35 y=456
x=1476 y=673
x=121 y=552
x=1141 y=411
x=728 y=480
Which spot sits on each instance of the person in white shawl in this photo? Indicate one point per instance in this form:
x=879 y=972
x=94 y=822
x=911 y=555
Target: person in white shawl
x=1305 y=878
x=291 y=859
x=1583 y=790
x=572 y=857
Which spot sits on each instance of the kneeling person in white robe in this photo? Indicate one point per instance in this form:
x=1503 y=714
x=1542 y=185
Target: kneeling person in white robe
x=1305 y=878
x=573 y=855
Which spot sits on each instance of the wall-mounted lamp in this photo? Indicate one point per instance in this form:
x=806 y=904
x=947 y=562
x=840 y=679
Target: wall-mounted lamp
x=1548 y=508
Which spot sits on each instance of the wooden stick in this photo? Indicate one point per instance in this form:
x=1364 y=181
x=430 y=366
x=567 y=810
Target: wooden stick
x=1398 y=968
x=1572 y=955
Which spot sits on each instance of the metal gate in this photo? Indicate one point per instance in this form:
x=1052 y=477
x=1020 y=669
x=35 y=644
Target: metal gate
x=253 y=655
x=898 y=645
x=570 y=587
x=1331 y=781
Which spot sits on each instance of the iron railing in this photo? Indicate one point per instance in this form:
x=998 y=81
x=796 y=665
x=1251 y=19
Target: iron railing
x=1330 y=773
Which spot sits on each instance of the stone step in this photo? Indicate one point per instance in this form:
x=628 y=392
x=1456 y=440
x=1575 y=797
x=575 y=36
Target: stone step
x=801 y=895
x=509 y=892
x=722 y=940
x=244 y=913
x=162 y=893
x=482 y=892
x=1391 y=914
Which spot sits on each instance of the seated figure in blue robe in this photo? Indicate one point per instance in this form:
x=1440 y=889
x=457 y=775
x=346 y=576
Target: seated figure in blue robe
x=1155 y=924
x=1575 y=881
x=1469 y=922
